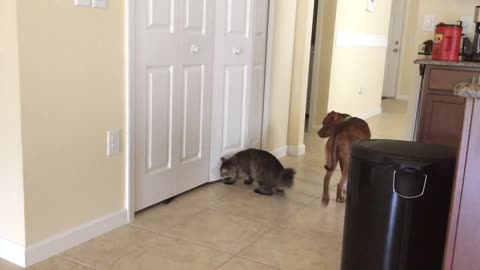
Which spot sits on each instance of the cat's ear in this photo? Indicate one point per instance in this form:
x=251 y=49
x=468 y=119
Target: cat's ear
x=223 y=159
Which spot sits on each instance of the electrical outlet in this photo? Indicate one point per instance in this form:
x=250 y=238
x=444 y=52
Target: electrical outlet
x=100 y=3
x=362 y=91
x=113 y=142
x=83 y=3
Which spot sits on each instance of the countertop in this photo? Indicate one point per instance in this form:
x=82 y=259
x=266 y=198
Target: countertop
x=468 y=90
x=447 y=63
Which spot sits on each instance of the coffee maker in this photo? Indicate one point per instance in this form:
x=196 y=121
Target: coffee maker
x=476 y=40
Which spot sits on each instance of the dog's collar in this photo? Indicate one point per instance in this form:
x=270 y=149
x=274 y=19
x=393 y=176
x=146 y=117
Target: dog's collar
x=347 y=118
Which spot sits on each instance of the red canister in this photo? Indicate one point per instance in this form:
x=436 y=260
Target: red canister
x=446 y=44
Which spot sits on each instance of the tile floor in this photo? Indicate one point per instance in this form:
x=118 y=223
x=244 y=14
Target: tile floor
x=230 y=227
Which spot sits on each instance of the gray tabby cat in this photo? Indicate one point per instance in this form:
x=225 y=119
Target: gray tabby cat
x=257 y=165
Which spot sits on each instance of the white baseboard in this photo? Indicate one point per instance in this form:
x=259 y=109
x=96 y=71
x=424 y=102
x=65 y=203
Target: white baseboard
x=369 y=114
x=59 y=243
x=296 y=150
x=12 y=252
x=404 y=98
x=280 y=152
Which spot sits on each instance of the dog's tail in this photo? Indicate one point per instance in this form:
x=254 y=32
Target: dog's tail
x=332 y=158
x=286 y=177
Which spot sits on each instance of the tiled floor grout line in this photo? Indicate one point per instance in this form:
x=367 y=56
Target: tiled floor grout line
x=172 y=236
x=224 y=263
x=76 y=262
x=255 y=261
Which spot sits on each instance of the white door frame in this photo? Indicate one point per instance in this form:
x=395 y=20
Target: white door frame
x=129 y=73
x=391 y=46
x=316 y=66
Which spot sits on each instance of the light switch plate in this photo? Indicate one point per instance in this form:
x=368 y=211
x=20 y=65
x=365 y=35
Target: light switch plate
x=429 y=23
x=100 y=3
x=83 y=3
x=113 y=142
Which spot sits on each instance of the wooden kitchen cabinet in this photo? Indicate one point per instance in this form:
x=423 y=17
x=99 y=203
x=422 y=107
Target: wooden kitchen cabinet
x=440 y=119
x=462 y=251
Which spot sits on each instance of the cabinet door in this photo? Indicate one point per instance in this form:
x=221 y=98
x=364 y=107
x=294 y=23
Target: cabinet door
x=443 y=120
x=467 y=242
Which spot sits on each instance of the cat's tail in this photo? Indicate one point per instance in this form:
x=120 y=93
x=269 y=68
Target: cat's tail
x=286 y=177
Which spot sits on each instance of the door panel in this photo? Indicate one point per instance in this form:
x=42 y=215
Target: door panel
x=159 y=122
x=173 y=82
x=256 y=107
x=442 y=120
x=193 y=113
x=238 y=17
x=234 y=112
x=161 y=14
x=195 y=11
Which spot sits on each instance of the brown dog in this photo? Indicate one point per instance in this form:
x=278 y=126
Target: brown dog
x=341 y=130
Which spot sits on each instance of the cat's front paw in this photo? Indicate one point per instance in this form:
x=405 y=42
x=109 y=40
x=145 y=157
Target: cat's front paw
x=228 y=181
x=263 y=192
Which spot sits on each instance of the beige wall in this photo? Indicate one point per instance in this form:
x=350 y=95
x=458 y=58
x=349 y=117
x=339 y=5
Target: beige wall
x=343 y=70
x=301 y=65
x=12 y=216
x=72 y=88
x=354 y=67
x=326 y=40
x=448 y=11
x=281 y=77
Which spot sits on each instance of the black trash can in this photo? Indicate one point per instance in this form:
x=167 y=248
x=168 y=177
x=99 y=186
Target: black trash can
x=398 y=201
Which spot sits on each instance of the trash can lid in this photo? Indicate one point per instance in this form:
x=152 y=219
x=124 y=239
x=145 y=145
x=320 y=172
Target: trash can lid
x=395 y=152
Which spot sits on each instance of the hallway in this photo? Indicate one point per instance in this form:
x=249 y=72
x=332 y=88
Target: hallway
x=230 y=227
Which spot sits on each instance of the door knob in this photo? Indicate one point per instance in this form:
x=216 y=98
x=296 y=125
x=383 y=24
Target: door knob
x=395 y=50
x=194 y=49
x=237 y=51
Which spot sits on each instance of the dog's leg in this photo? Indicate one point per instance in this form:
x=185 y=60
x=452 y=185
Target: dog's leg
x=341 y=187
x=331 y=165
x=326 y=186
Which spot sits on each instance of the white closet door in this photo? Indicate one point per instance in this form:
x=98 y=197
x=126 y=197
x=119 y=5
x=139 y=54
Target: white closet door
x=255 y=122
x=173 y=82
x=239 y=77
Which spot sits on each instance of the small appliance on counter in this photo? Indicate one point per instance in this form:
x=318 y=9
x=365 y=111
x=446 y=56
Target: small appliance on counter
x=476 y=39
x=446 y=44
x=426 y=48
x=467 y=49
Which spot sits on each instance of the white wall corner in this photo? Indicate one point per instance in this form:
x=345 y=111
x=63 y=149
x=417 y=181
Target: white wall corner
x=61 y=242
x=12 y=252
x=296 y=150
x=369 y=114
x=280 y=152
